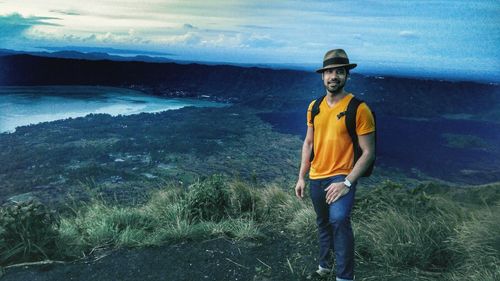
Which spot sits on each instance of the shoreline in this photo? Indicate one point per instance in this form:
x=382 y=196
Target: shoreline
x=84 y=91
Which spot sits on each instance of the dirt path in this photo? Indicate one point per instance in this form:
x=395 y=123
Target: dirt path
x=216 y=259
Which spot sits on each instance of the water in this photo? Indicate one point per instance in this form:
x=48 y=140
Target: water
x=20 y=106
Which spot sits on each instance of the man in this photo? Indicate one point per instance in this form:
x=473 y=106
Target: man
x=333 y=173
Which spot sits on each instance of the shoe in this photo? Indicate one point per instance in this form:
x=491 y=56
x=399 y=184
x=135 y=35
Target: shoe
x=320 y=273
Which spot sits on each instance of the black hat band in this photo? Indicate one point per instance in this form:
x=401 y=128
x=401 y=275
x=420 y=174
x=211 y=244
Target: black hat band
x=337 y=60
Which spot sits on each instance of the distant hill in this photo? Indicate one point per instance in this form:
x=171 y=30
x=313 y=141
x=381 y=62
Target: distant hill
x=91 y=55
x=263 y=88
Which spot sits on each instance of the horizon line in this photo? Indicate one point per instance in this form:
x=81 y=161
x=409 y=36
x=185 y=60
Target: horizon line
x=491 y=78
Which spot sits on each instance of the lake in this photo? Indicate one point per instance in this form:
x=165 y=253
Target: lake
x=20 y=106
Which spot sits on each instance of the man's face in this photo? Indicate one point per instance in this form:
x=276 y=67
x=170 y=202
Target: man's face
x=334 y=79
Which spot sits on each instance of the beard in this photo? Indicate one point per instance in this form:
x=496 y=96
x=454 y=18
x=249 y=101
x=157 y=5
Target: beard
x=335 y=86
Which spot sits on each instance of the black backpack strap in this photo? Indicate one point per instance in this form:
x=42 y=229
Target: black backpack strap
x=315 y=108
x=350 y=122
x=314 y=112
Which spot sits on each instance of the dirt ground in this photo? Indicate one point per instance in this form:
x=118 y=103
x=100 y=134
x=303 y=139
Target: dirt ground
x=273 y=258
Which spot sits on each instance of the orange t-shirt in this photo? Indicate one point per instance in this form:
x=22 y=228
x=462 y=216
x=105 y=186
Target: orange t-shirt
x=333 y=150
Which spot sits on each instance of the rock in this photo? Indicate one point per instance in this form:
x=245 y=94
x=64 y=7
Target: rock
x=166 y=166
x=20 y=198
x=149 y=176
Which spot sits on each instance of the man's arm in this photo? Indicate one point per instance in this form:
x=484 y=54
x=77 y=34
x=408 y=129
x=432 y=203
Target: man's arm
x=367 y=145
x=305 y=163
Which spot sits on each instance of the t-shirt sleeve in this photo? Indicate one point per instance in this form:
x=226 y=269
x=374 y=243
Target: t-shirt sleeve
x=365 y=123
x=309 y=110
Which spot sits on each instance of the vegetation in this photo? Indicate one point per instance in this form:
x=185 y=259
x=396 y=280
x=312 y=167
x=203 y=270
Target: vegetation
x=431 y=232
x=142 y=151
x=27 y=232
x=208 y=200
x=465 y=141
x=128 y=155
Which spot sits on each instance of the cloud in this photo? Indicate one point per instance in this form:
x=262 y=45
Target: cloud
x=193 y=37
x=262 y=41
x=16 y=19
x=357 y=36
x=110 y=37
x=256 y=31
x=252 y=26
x=15 y=25
x=107 y=38
x=189 y=26
x=240 y=40
x=68 y=12
x=408 y=34
x=189 y=38
x=108 y=50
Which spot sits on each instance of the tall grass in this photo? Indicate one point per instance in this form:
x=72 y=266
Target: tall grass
x=476 y=246
x=396 y=237
x=208 y=208
x=277 y=206
x=303 y=223
x=421 y=230
x=208 y=199
x=396 y=229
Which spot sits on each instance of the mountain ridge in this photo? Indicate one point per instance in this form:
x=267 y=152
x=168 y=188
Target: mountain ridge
x=263 y=88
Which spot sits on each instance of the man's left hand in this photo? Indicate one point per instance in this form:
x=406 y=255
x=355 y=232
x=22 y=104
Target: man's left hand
x=334 y=191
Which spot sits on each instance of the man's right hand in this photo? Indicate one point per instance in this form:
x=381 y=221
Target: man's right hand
x=299 y=188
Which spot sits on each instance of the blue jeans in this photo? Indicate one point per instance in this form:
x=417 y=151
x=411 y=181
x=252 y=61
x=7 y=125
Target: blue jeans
x=334 y=226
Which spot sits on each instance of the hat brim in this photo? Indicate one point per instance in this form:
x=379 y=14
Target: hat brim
x=348 y=66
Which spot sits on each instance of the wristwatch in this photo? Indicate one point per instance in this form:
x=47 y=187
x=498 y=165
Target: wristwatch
x=347 y=183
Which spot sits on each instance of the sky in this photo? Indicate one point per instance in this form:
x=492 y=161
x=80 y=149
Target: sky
x=447 y=38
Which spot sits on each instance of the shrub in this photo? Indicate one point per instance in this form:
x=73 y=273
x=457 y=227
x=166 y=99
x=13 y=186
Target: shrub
x=303 y=223
x=175 y=231
x=396 y=226
x=243 y=229
x=394 y=239
x=389 y=195
x=243 y=198
x=276 y=205
x=99 y=224
x=476 y=246
x=167 y=205
x=208 y=199
x=27 y=232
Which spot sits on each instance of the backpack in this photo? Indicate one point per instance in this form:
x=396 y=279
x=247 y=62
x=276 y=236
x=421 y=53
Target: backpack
x=350 y=122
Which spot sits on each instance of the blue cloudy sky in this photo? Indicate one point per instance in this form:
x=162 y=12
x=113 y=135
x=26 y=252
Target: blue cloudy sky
x=441 y=38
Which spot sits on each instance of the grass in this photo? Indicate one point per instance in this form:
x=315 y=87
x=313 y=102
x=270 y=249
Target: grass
x=476 y=246
x=171 y=214
x=465 y=141
x=400 y=232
